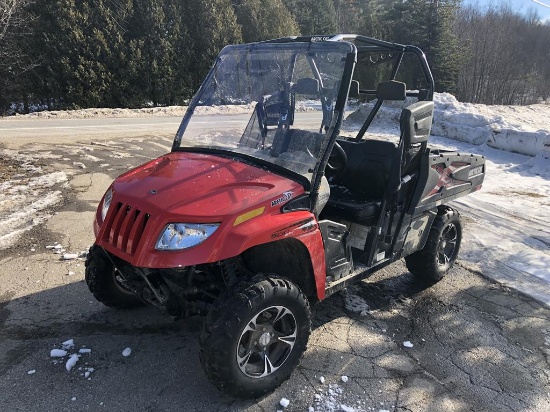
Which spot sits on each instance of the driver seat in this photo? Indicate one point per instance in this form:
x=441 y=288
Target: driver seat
x=362 y=184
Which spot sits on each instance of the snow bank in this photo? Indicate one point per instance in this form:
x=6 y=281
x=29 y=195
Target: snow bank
x=177 y=111
x=169 y=111
x=501 y=127
x=511 y=128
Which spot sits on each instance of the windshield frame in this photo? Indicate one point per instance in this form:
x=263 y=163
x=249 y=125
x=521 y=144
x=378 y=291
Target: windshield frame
x=330 y=125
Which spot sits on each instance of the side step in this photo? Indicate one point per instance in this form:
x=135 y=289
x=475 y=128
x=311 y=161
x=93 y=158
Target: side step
x=360 y=272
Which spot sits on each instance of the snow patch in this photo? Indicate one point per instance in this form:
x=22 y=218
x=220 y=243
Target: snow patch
x=25 y=199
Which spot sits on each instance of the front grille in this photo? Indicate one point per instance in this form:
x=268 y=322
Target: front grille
x=127 y=227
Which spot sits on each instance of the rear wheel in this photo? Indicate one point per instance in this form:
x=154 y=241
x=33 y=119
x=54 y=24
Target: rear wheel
x=101 y=278
x=255 y=336
x=439 y=254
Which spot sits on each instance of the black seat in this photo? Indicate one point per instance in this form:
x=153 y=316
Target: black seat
x=359 y=189
x=371 y=163
x=343 y=204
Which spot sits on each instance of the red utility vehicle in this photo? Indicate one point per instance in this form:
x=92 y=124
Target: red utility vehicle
x=252 y=219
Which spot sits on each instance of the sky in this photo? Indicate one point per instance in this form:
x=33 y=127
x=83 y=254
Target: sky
x=542 y=7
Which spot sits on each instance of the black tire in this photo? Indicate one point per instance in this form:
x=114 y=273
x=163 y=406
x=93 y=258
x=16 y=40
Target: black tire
x=242 y=350
x=441 y=249
x=100 y=277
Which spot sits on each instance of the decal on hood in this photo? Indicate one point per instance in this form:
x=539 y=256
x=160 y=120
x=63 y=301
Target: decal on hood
x=283 y=199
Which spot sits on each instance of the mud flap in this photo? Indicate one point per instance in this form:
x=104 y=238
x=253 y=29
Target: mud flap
x=338 y=258
x=418 y=232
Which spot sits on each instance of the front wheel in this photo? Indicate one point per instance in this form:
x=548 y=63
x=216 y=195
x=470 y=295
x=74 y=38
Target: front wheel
x=101 y=278
x=439 y=254
x=255 y=336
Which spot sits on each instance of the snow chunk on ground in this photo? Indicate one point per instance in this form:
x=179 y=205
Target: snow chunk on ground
x=31 y=372
x=68 y=344
x=330 y=401
x=344 y=378
x=126 y=352
x=70 y=256
x=71 y=362
x=407 y=344
x=284 y=402
x=58 y=353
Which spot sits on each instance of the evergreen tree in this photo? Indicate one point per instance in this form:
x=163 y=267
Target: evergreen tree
x=214 y=25
x=151 y=51
x=80 y=45
x=428 y=24
x=445 y=54
x=14 y=62
x=313 y=16
x=264 y=19
x=358 y=17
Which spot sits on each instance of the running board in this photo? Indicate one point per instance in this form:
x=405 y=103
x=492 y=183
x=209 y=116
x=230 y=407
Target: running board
x=358 y=274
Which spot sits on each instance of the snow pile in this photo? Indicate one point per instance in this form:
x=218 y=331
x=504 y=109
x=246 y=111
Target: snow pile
x=177 y=111
x=511 y=128
x=503 y=127
x=169 y=111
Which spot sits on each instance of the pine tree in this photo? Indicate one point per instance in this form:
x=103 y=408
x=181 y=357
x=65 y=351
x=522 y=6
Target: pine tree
x=80 y=45
x=214 y=25
x=428 y=24
x=313 y=16
x=264 y=19
x=445 y=54
x=151 y=51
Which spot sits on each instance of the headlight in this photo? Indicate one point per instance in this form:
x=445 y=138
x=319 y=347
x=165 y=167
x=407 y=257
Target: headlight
x=106 y=203
x=177 y=236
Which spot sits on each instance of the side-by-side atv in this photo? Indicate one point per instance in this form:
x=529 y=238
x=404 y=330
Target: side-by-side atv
x=256 y=214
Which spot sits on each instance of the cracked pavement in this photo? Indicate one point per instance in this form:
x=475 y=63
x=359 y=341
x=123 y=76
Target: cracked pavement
x=477 y=346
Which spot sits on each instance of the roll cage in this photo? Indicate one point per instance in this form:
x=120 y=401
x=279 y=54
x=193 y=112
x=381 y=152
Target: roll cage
x=365 y=52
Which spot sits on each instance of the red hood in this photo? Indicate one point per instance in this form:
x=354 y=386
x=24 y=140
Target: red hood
x=202 y=185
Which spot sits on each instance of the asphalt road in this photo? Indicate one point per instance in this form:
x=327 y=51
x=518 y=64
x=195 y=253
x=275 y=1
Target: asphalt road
x=477 y=346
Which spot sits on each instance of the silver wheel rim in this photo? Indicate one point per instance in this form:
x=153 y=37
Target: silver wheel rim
x=447 y=245
x=266 y=342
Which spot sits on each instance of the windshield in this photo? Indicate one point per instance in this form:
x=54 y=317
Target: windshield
x=269 y=101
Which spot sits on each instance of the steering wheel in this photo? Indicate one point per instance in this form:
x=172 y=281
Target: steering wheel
x=337 y=160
